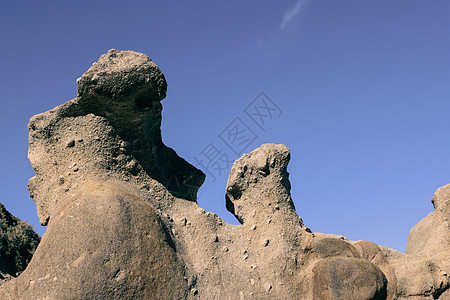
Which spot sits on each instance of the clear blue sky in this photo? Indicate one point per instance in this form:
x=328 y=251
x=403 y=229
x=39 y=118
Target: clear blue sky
x=363 y=87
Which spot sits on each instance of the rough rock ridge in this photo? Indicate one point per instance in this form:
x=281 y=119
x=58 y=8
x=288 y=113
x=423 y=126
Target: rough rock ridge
x=123 y=222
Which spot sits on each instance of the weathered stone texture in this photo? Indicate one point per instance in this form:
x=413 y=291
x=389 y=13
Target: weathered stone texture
x=123 y=222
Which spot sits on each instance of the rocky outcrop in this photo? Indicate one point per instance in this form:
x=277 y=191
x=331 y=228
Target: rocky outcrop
x=18 y=241
x=111 y=129
x=123 y=222
x=432 y=235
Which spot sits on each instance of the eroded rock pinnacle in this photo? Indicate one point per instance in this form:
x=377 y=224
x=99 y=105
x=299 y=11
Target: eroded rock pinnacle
x=123 y=222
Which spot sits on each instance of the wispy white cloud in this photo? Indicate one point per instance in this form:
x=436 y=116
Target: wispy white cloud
x=294 y=11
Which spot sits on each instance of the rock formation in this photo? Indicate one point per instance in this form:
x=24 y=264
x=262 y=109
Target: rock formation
x=123 y=222
x=18 y=241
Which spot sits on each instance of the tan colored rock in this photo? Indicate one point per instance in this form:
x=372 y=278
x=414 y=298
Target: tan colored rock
x=348 y=278
x=372 y=252
x=106 y=242
x=123 y=222
x=432 y=234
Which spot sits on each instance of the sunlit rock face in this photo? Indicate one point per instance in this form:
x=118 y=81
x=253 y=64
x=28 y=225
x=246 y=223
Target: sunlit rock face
x=123 y=222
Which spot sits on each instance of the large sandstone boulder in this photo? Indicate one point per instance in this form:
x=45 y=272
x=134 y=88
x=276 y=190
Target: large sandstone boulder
x=123 y=222
x=348 y=278
x=104 y=243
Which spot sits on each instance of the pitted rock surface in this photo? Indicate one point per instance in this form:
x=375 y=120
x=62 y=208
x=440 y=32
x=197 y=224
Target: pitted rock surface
x=122 y=74
x=123 y=222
